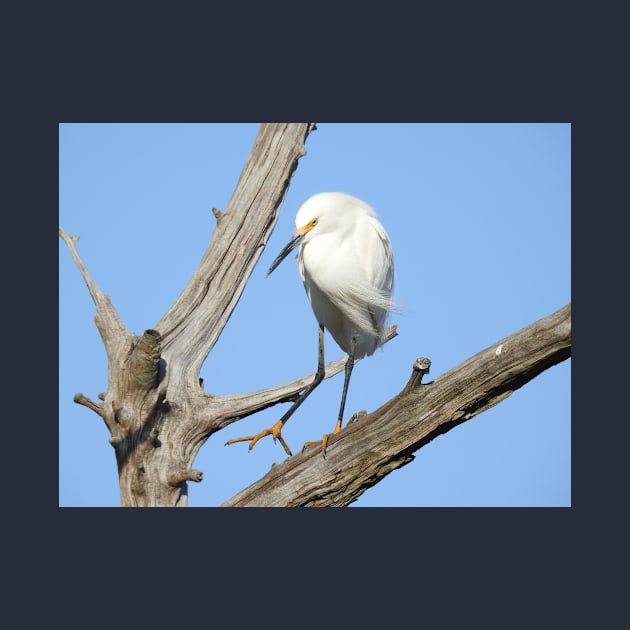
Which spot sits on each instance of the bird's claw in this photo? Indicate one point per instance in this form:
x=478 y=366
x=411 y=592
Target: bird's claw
x=323 y=442
x=355 y=417
x=275 y=431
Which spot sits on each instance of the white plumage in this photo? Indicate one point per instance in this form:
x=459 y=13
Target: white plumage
x=346 y=264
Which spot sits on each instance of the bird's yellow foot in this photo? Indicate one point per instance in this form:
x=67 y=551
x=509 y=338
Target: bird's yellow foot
x=324 y=441
x=275 y=431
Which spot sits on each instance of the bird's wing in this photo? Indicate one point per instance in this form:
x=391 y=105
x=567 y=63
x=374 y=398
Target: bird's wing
x=367 y=299
x=380 y=268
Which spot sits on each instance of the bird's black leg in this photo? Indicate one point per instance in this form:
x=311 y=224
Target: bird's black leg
x=319 y=377
x=346 y=382
x=276 y=430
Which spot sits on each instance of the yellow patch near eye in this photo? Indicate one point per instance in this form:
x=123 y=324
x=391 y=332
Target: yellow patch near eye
x=308 y=227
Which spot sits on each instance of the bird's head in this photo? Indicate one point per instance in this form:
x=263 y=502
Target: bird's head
x=321 y=213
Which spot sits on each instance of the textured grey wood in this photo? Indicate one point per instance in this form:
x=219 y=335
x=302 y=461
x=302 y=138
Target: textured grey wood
x=155 y=408
x=386 y=439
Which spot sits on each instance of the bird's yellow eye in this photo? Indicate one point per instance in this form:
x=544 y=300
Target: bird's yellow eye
x=308 y=227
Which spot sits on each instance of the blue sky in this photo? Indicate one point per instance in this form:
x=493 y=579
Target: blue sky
x=479 y=216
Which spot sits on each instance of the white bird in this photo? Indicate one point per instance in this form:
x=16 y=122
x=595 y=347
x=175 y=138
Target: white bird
x=346 y=264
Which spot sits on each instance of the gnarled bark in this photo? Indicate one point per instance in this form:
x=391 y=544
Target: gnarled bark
x=154 y=407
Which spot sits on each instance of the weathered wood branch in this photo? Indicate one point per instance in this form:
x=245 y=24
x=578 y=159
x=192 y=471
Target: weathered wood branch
x=81 y=399
x=112 y=330
x=192 y=326
x=366 y=451
x=228 y=408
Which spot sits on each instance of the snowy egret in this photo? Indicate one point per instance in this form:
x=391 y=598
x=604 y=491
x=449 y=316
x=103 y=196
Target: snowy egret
x=346 y=264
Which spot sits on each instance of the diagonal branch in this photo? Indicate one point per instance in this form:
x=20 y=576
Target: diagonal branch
x=192 y=326
x=232 y=407
x=112 y=330
x=368 y=450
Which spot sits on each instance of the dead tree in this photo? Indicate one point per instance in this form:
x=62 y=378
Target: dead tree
x=159 y=416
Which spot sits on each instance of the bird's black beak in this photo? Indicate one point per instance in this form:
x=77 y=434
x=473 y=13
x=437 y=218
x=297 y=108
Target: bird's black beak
x=288 y=248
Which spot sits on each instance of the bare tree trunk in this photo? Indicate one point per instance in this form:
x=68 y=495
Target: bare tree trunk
x=159 y=416
x=155 y=409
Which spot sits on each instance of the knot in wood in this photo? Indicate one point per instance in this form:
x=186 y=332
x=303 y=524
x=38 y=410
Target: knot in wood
x=421 y=366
